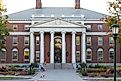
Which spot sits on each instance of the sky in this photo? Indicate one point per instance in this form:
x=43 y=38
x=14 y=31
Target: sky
x=19 y=5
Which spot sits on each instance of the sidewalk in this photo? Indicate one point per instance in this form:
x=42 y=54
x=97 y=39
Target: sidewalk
x=58 y=75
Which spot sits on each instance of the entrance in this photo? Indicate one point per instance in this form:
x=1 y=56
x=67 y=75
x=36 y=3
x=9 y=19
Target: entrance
x=57 y=49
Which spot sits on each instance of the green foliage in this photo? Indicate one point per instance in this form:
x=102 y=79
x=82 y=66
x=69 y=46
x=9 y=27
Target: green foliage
x=3 y=27
x=115 y=15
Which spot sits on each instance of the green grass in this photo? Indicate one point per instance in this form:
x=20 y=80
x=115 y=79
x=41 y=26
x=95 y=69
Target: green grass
x=9 y=78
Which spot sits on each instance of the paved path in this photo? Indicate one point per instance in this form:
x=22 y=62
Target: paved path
x=58 y=75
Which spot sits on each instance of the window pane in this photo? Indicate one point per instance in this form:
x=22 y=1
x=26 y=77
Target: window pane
x=100 y=40
x=77 y=40
x=37 y=40
x=111 y=41
x=100 y=28
x=26 y=40
x=88 y=40
x=15 y=40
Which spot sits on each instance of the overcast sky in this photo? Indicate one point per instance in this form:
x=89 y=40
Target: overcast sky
x=18 y=5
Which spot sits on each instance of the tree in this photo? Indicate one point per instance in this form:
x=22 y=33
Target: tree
x=115 y=15
x=3 y=25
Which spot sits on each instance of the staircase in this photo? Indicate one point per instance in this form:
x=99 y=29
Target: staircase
x=59 y=66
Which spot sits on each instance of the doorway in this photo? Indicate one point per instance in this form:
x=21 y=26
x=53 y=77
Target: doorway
x=57 y=49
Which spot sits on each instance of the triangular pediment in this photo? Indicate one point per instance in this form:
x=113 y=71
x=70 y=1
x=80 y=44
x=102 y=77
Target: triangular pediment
x=57 y=23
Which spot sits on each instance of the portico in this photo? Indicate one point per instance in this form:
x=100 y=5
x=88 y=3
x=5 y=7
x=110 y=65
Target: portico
x=57 y=26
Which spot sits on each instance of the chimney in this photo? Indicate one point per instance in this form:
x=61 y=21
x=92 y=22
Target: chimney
x=77 y=4
x=38 y=4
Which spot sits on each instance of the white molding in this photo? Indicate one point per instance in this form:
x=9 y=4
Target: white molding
x=94 y=22
x=96 y=33
x=19 y=33
x=20 y=21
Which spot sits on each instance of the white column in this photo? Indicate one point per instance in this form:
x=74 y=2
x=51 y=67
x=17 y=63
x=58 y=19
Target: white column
x=52 y=47
x=63 y=48
x=41 y=47
x=32 y=47
x=73 y=47
x=83 y=47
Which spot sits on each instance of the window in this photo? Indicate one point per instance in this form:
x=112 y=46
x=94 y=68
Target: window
x=89 y=55
x=77 y=40
x=88 y=27
x=111 y=41
x=88 y=40
x=3 y=54
x=77 y=56
x=15 y=40
x=100 y=28
x=37 y=40
x=100 y=40
x=111 y=55
x=26 y=54
x=15 y=54
x=100 y=55
x=15 y=27
x=26 y=27
x=26 y=40
x=37 y=55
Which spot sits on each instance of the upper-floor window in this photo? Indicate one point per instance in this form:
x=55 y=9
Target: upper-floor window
x=88 y=40
x=88 y=27
x=37 y=40
x=100 y=55
x=111 y=41
x=15 y=40
x=26 y=27
x=77 y=40
x=100 y=28
x=26 y=40
x=100 y=40
x=15 y=27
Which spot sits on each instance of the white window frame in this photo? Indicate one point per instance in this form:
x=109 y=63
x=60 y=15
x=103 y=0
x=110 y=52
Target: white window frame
x=99 y=55
x=89 y=38
x=100 y=40
x=90 y=55
x=26 y=39
x=15 y=50
x=15 y=40
x=15 y=27
x=3 y=50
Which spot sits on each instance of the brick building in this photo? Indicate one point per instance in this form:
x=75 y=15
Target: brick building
x=58 y=35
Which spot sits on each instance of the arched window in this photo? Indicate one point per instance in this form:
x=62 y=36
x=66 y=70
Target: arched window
x=111 y=55
x=26 y=54
x=3 y=54
x=15 y=54
x=100 y=55
x=89 y=55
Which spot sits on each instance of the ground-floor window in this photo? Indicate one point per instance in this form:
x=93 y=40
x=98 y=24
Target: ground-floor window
x=111 y=55
x=89 y=55
x=15 y=54
x=26 y=54
x=37 y=55
x=78 y=57
x=100 y=55
x=3 y=54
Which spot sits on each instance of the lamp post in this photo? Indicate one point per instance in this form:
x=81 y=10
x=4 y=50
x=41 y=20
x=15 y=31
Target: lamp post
x=115 y=30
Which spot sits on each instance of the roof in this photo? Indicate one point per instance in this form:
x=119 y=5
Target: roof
x=56 y=12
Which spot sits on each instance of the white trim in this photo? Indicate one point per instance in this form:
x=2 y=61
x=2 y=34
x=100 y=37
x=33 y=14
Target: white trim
x=94 y=22
x=19 y=21
x=96 y=33
x=19 y=33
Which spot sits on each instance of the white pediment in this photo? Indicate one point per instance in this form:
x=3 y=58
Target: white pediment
x=57 y=23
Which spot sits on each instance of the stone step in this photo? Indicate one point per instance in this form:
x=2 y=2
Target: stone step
x=59 y=66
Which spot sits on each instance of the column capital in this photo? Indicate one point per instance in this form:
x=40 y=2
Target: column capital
x=84 y=32
x=52 y=32
x=73 y=32
x=31 y=32
x=41 y=32
x=63 y=32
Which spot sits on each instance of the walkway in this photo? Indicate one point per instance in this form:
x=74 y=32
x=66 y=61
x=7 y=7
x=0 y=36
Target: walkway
x=58 y=75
